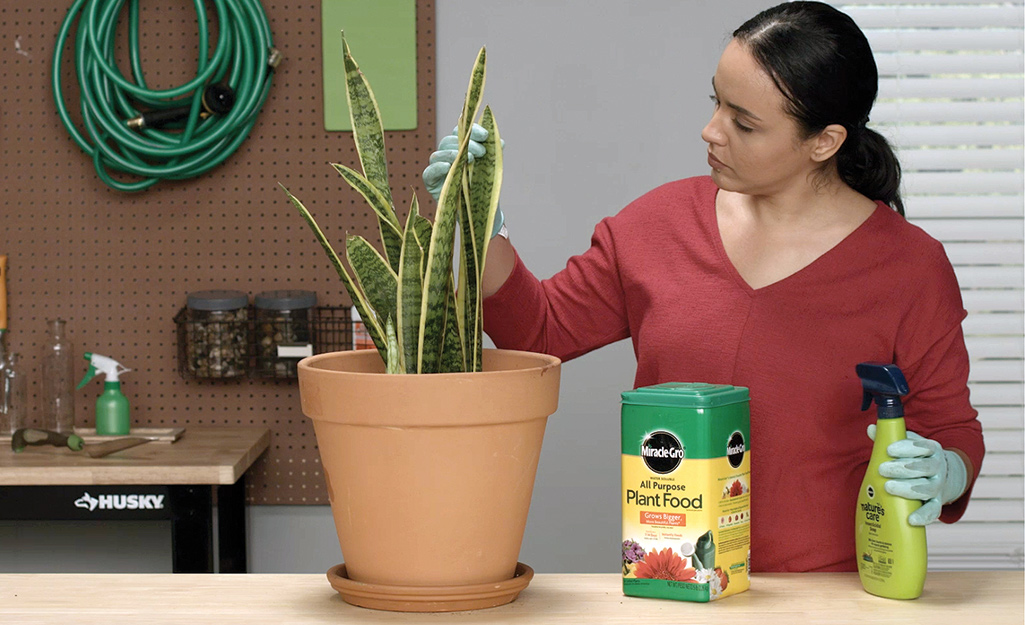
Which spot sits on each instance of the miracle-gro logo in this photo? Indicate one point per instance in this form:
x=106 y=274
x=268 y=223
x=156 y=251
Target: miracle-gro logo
x=120 y=502
x=662 y=452
x=735 y=447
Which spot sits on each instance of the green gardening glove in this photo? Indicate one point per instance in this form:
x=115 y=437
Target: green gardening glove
x=441 y=161
x=922 y=469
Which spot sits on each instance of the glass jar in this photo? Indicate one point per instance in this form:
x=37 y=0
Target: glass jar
x=13 y=396
x=217 y=334
x=284 y=320
x=58 y=364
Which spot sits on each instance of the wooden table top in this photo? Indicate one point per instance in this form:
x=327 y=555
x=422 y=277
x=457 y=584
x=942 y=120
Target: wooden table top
x=950 y=598
x=203 y=455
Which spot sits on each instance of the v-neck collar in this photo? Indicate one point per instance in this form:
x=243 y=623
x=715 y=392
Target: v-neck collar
x=850 y=239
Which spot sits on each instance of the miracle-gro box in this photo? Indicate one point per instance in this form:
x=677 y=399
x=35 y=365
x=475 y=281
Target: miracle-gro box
x=686 y=491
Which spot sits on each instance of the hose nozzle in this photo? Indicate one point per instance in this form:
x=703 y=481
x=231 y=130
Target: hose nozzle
x=218 y=99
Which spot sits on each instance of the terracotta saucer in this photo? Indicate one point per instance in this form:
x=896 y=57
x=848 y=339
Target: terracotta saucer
x=429 y=598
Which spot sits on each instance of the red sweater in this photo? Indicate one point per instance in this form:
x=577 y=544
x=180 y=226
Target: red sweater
x=658 y=273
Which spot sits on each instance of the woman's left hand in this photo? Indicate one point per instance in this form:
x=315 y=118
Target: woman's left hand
x=922 y=469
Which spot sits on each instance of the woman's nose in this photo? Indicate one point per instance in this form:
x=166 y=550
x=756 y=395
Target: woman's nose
x=710 y=133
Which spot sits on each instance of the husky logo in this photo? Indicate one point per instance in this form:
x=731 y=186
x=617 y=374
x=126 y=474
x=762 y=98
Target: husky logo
x=87 y=502
x=120 y=502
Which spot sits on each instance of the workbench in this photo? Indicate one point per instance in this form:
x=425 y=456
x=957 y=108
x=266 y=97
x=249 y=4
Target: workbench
x=154 y=481
x=986 y=598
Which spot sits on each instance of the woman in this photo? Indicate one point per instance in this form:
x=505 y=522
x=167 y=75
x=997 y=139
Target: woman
x=780 y=271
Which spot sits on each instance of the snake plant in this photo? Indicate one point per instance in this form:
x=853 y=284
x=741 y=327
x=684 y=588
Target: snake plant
x=421 y=319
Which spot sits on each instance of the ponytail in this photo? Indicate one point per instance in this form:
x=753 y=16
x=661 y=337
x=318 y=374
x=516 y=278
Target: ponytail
x=867 y=164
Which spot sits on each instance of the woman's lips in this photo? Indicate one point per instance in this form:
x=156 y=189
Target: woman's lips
x=715 y=163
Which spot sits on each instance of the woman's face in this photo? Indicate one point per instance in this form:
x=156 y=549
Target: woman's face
x=753 y=145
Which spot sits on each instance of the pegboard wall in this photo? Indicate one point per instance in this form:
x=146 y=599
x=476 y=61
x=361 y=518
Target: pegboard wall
x=117 y=266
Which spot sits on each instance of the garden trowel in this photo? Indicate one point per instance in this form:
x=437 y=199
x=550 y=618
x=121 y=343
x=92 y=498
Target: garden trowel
x=32 y=436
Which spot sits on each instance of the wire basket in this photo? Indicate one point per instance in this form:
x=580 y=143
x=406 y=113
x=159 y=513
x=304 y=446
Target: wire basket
x=248 y=346
x=332 y=329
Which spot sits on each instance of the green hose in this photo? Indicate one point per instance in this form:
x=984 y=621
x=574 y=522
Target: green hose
x=242 y=60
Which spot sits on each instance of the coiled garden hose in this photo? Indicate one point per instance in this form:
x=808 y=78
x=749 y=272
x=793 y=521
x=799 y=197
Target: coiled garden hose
x=168 y=134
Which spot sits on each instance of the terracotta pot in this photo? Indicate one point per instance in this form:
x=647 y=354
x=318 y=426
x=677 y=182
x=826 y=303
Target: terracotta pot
x=429 y=476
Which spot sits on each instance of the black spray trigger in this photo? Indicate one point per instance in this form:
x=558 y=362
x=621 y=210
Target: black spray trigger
x=883 y=384
x=866 y=400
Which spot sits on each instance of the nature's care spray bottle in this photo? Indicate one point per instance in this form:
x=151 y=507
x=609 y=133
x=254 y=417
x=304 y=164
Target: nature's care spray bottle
x=111 y=406
x=892 y=554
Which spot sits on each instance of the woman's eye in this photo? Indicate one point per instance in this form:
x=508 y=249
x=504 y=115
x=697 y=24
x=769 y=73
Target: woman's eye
x=740 y=127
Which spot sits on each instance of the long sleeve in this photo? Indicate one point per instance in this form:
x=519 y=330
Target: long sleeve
x=931 y=352
x=577 y=310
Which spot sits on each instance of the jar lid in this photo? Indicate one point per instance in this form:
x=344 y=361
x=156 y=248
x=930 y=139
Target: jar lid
x=286 y=300
x=218 y=300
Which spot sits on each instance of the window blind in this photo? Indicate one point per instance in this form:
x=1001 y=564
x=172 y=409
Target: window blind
x=951 y=102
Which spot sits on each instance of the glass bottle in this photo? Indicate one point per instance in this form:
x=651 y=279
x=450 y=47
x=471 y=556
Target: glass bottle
x=13 y=396
x=3 y=366
x=58 y=379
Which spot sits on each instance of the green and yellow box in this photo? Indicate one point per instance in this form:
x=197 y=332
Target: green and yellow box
x=686 y=491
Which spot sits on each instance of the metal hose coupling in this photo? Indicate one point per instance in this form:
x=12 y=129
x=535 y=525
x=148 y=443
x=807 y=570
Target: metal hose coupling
x=217 y=100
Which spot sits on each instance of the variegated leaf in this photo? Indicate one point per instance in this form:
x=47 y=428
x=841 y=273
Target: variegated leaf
x=439 y=264
x=366 y=124
x=358 y=300
x=378 y=282
x=466 y=294
x=453 y=358
x=410 y=296
x=485 y=181
x=391 y=237
x=393 y=362
x=471 y=102
x=423 y=228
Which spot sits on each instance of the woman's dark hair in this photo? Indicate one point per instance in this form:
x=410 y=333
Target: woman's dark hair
x=822 y=63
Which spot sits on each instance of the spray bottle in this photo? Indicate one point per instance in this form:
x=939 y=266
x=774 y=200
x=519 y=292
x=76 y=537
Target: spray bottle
x=111 y=406
x=892 y=554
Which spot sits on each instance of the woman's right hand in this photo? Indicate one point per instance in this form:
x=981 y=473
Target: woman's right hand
x=441 y=160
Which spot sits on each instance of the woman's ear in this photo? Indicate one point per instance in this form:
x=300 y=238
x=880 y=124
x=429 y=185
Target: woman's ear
x=828 y=142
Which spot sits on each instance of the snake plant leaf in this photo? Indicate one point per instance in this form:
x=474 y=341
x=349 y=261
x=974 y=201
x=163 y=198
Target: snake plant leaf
x=422 y=228
x=375 y=277
x=393 y=362
x=484 y=180
x=471 y=103
x=438 y=283
x=391 y=236
x=468 y=298
x=410 y=294
x=361 y=304
x=366 y=125
x=439 y=264
x=407 y=297
x=466 y=293
x=453 y=358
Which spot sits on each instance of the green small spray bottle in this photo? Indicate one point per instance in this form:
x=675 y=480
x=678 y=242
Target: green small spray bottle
x=111 y=406
x=892 y=554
